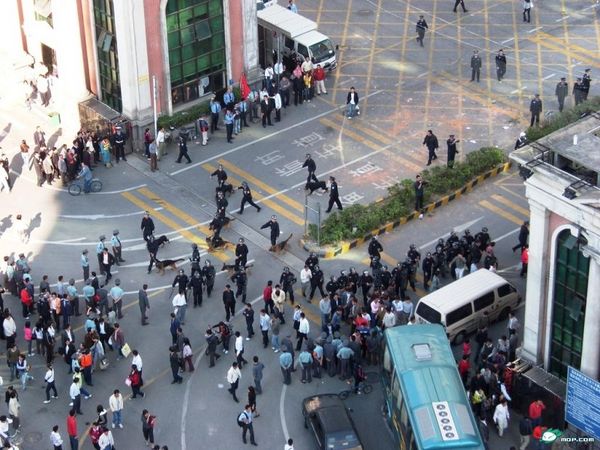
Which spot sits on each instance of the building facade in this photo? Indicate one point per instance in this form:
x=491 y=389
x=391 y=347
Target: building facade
x=562 y=309
x=128 y=53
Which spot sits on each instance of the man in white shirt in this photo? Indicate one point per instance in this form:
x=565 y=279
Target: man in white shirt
x=50 y=386
x=269 y=72
x=307 y=65
x=160 y=141
x=179 y=307
x=305 y=276
x=106 y=441
x=75 y=394
x=115 y=402
x=55 y=438
x=137 y=361
x=233 y=378
x=239 y=349
x=303 y=330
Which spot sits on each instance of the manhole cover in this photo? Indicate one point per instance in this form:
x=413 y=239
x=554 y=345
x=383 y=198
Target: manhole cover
x=364 y=12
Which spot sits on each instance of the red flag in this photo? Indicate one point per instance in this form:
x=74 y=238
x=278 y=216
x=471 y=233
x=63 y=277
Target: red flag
x=244 y=88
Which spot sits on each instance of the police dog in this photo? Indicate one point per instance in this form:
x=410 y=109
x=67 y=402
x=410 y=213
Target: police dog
x=232 y=268
x=161 y=240
x=162 y=265
x=314 y=185
x=280 y=246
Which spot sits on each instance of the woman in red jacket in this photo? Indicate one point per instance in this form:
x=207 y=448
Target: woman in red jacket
x=135 y=381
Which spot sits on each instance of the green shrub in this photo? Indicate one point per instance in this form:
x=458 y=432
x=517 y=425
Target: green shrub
x=359 y=220
x=561 y=120
x=185 y=117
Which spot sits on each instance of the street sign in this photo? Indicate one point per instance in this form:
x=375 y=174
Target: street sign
x=582 y=406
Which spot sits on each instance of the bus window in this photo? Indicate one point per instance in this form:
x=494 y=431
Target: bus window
x=303 y=51
x=484 y=301
x=289 y=43
x=396 y=392
x=387 y=361
x=505 y=289
x=459 y=314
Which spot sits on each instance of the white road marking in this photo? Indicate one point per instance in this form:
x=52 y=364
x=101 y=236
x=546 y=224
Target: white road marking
x=458 y=229
x=519 y=90
x=504 y=236
x=104 y=216
x=508 y=40
x=562 y=18
x=282 y=412
x=534 y=30
x=422 y=74
x=247 y=144
x=21 y=176
x=547 y=77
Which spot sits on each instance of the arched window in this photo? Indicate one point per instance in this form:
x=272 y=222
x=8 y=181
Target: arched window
x=568 y=305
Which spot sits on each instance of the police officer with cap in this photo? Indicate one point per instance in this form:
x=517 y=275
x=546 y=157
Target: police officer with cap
x=116 y=247
x=195 y=259
x=208 y=273
x=247 y=197
x=99 y=251
x=241 y=253
x=275 y=232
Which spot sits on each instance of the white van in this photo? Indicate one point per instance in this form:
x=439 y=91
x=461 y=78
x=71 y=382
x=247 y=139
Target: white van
x=460 y=306
x=280 y=31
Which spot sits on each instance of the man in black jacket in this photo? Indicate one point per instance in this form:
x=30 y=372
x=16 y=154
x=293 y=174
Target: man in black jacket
x=421 y=27
x=431 y=142
x=535 y=107
x=311 y=166
x=500 y=65
x=147 y=226
x=334 y=195
x=274 y=226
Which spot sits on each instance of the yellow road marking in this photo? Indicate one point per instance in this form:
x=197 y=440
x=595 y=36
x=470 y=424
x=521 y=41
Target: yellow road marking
x=265 y=187
x=568 y=45
x=430 y=64
x=501 y=212
x=343 y=47
x=512 y=205
x=560 y=49
x=490 y=73
x=172 y=224
x=517 y=58
x=367 y=87
x=267 y=202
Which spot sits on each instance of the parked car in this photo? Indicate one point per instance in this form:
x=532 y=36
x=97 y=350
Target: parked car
x=330 y=422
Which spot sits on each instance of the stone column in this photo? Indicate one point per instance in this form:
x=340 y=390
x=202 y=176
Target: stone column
x=536 y=306
x=590 y=352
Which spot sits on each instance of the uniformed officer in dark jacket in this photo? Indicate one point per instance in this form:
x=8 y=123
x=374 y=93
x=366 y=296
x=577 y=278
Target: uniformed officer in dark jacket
x=428 y=265
x=311 y=166
x=241 y=281
x=216 y=225
x=431 y=142
x=316 y=282
x=181 y=281
x=586 y=83
x=452 y=151
x=195 y=259
x=375 y=248
x=287 y=280
x=208 y=273
x=578 y=91
x=152 y=247
x=183 y=151
x=222 y=203
x=561 y=92
x=500 y=64
x=536 y=109
x=247 y=198
x=265 y=110
x=332 y=286
x=274 y=226
x=220 y=174
x=120 y=145
x=312 y=261
x=147 y=226
x=196 y=285
x=421 y=27
x=334 y=195
x=241 y=253
x=475 y=65
x=365 y=281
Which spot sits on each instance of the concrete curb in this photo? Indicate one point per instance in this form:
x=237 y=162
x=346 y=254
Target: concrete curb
x=344 y=247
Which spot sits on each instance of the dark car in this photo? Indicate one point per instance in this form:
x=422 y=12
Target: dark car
x=328 y=418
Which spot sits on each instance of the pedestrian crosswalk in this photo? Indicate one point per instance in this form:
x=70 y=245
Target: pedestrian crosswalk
x=505 y=208
x=172 y=217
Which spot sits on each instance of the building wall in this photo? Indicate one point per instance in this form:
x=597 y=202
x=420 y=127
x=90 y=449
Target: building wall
x=551 y=213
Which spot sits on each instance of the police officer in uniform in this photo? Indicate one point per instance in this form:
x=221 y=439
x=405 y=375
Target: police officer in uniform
x=152 y=247
x=287 y=280
x=99 y=251
x=421 y=27
x=312 y=261
x=147 y=226
x=586 y=83
x=196 y=285
x=375 y=248
x=353 y=277
x=241 y=253
x=366 y=282
x=274 y=226
x=222 y=203
x=311 y=166
x=578 y=91
x=241 y=281
x=116 y=247
x=561 y=92
x=195 y=259
x=208 y=273
x=334 y=195
x=332 y=286
x=247 y=197
x=216 y=225
x=376 y=268
x=452 y=151
x=181 y=280
x=500 y=65
x=120 y=145
x=220 y=174
x=316 y=282
x=475 y=65
x=385 y=278
x=535 y=107
x=183 y=151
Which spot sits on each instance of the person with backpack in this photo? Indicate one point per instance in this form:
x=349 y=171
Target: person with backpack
x=244 y=420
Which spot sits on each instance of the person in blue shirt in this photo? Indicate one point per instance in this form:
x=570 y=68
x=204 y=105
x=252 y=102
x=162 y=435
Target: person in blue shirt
x=215 y=109
x=285 y=361
x=85 y=264
x=306 y=362
x=229 y=118
x=229 y=98
x=86 y=175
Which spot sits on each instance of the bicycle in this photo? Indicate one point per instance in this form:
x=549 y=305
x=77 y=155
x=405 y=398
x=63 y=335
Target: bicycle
x=363 y=388
x=76 y=186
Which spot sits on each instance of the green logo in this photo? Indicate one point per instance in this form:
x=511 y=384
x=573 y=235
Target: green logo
x=551 y=435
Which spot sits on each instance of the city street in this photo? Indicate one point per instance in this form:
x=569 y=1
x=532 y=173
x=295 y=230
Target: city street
x=405 y=90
